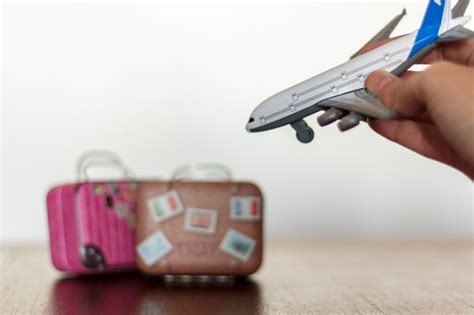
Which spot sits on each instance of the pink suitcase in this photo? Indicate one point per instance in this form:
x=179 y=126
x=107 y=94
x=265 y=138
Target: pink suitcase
x=91 y=224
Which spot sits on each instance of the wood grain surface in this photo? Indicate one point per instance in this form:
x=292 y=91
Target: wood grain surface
x=296 y=278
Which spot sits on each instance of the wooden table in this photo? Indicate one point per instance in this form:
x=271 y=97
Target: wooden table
x=297 y=278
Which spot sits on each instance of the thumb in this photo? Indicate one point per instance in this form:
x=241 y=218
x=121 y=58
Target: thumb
x=405 y=96
x=378 y=81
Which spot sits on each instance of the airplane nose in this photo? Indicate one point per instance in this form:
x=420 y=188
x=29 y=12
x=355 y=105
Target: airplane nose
x=251 y=120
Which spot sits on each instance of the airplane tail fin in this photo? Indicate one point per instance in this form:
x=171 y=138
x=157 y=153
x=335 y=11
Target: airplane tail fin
x=455 y=30
x=437 y=17
x=440 y=25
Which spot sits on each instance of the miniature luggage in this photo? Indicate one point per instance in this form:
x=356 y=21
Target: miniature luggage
x=91 y=224
x=199 y=227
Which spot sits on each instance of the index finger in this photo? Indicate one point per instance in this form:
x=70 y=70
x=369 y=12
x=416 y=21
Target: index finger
x=461 y=52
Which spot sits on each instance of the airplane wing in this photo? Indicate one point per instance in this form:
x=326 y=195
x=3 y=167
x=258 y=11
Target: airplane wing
x=357 y=105
x=362 y=102
x=385 y=32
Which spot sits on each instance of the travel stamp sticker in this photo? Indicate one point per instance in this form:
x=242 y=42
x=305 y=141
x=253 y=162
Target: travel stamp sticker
x=200 y=220
x=121 y=209
x=153 y=248
x=165 y=206
x=115 y=188
x=98 y=189
x=238 y=245
x=245 y=208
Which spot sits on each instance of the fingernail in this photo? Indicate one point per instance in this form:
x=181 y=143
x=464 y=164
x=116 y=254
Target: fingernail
x=379 y=80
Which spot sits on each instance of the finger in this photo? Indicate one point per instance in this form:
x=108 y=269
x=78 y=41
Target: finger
x=423 y=117
x=461 y=52
x=431 y=90
x=407 y=74
x=421 y=138
x=434 y=56
x=405 y=96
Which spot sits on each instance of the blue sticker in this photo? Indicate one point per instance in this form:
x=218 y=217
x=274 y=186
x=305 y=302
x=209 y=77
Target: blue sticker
x=238 y=207
x=154 y=248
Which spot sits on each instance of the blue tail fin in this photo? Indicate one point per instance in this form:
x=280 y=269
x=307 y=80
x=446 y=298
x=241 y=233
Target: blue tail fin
x=435 y=13
x=435 y=22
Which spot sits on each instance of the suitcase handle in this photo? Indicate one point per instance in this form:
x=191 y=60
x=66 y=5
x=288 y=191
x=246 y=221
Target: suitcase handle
x=202 y=170
x=101 y=158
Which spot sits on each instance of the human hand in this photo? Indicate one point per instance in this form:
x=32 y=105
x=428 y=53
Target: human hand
x=435 y=107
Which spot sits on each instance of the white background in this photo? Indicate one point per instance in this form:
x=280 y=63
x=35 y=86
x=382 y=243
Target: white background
x=163 y=84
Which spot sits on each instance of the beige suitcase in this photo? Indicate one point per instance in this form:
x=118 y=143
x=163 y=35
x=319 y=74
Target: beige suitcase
x=199 y=228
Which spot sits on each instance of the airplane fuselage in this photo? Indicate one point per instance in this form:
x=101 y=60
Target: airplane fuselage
x=303 y=99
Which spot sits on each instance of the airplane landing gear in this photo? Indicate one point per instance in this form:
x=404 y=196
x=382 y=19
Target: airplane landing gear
x=304 y=133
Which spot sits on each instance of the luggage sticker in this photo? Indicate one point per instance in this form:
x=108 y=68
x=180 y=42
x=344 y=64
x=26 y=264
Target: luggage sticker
x=238 y=245
x=153 y=248
x=115 y=187
x=129 y=195
x=200 y=220
x=165 y=206
x=98 y=189
x=245 y=208
x=121 y=209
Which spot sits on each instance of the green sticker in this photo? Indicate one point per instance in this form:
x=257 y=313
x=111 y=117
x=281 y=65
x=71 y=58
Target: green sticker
x=159 y=212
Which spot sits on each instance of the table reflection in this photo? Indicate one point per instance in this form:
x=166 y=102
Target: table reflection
x=133 y=293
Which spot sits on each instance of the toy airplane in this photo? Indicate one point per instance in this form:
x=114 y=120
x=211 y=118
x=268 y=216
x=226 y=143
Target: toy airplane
x=340 y=92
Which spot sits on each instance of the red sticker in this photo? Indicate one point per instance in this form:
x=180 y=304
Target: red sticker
x=203 y=221
x=254 y=207
x=172 y=203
